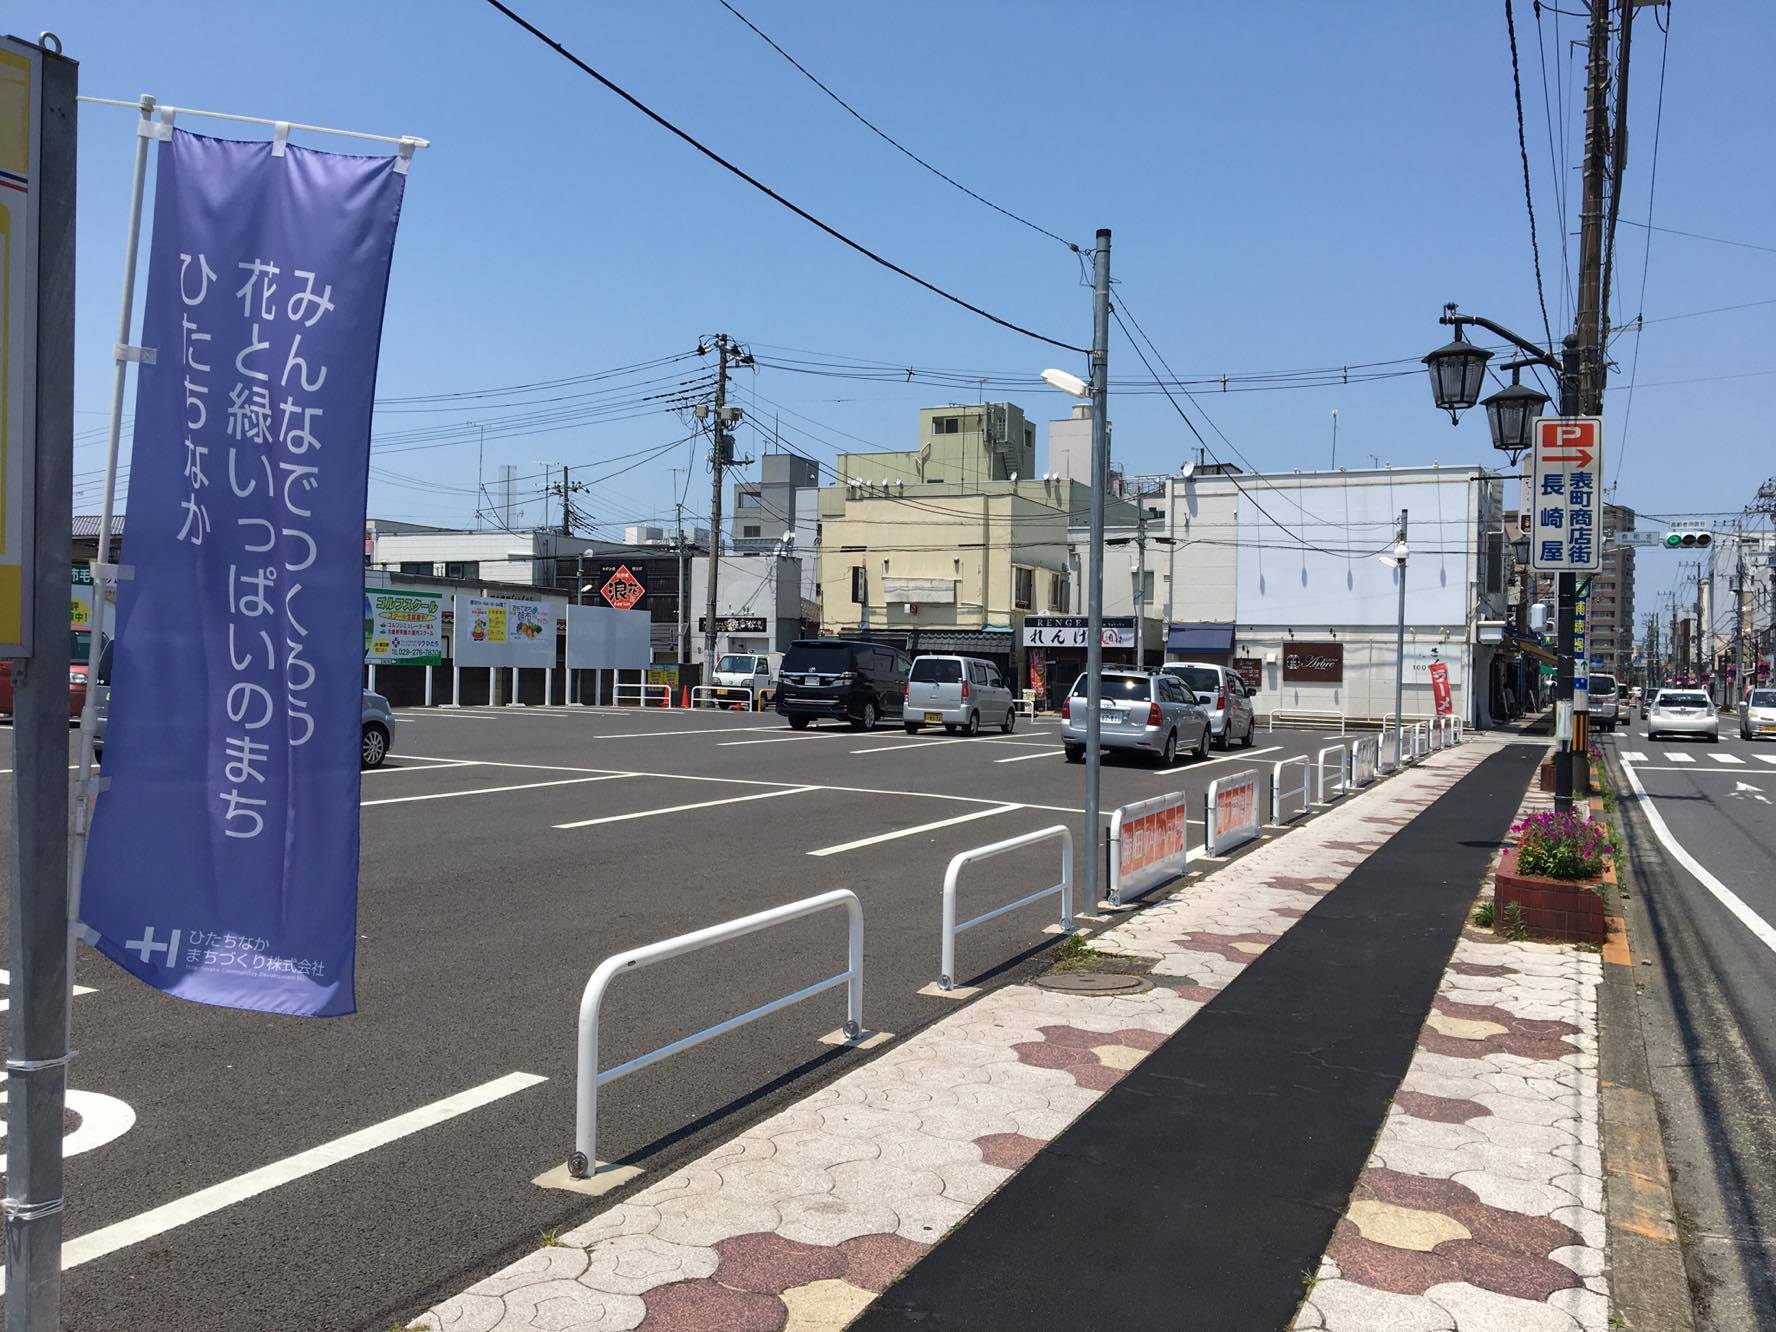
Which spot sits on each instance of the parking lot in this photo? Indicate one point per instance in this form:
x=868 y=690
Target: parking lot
x=505 y=852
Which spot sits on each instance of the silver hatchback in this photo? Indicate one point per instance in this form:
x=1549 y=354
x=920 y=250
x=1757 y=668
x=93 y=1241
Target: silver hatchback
x=1149 y=713
x=958 y=694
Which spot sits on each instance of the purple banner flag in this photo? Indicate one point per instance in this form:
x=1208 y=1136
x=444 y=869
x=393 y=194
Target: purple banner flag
x=223 y=861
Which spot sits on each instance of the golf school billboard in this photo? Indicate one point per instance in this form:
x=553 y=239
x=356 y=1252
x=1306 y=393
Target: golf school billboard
x=403 y=627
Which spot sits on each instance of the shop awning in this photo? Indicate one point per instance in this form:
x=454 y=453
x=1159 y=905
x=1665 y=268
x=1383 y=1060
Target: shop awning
x=1528 y=647
x=985 y=642
x=1203 y=638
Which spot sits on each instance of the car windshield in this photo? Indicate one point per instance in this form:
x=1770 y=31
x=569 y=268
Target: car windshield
x=818 y=658
x=735 y=664
x=1603 y=686
x=1200 y=679
x=1676 y=699
x=936 y=670
x=79 y=645
x=1116 y=686
x=1763 y=698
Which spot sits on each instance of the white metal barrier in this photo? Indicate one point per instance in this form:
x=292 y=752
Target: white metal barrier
x=1364 y=760
x=1305 y=715
x=1279 y=794
x=1388 y=719
x=724 y=696
x=1230 y=812
x=1418 y=741
x=1337 y=785
x=585 y=1154
x=946 y=979
x=641 y=693
x=1149 y=844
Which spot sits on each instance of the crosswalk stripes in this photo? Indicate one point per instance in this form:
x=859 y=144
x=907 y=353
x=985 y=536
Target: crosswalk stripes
x=1727 y=758
x=1680 y=758
x=1634 y=756
x=1768 y=758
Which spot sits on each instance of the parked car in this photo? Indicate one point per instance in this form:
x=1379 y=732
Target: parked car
x=1683 y=712
x=79 y=650
x=1601 y=700
x=1757 y=714
x=1223 y=696
x=750 y=671
x=1148 y=712
x=841 y=678
x=959 y=694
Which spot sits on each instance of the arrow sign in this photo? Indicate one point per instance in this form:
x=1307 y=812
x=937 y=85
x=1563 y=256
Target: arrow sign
x=1580 y=457
x=1746 y=791
x=1565 y=500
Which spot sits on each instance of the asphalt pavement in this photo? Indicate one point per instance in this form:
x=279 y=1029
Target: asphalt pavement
x=346 y=1173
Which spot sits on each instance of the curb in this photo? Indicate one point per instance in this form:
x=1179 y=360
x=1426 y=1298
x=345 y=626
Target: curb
x=1649 y=1285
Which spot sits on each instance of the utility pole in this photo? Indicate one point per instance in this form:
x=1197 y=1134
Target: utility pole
x=719 y=455
x=1140 y=585
x=1094 y=641
x=566 y=521
x=1400 y=646
x=1704 y=649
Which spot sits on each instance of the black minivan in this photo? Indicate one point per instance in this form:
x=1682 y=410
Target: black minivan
x=837 y=677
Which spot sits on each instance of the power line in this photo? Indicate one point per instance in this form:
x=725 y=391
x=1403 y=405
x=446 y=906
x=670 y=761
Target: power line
x=1535 y=248
x=765 y=189
x=889 y=139
x=1696 y=235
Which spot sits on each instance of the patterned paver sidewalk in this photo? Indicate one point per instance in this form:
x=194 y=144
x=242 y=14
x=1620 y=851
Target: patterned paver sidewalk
x=1481 y=1208
x=801 y=1220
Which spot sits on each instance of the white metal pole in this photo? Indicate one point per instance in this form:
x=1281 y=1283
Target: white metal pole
x=548 y=685
x=428 y=685
x=103 y=571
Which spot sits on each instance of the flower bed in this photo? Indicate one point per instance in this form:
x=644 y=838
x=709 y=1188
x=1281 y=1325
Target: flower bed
x=1555 y=875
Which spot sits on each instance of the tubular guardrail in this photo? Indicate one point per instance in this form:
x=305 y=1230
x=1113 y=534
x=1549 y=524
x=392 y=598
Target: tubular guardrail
x=1418 y=741
x=585 y=1154
x=1278 y=795
x=1340 y=783
x=722 y=696
x=1305 y=714
x=642 y=693
x=1230 y=811
x=947 y=964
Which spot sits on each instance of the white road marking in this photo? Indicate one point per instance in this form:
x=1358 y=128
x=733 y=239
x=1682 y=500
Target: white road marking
x=1727 y=758
x=1634 y=756
x=913 y=744
x=774 y=740
x=194 y=1206
x=1188 y=766
x=1760 y=928
x=1746 y=791
x=1680 y=758
x=103 y=1119
x=680 y=809
x=6 y=979
x=427 y=765
x=1690 y=771
x=1019 y=758
x=1767 y=758
x=492 y=790
x=911 y=832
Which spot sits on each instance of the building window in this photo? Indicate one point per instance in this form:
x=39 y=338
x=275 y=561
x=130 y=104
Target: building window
x=750 y=530
x=946 y=425
x=859 y=585
x=1059 y=594
x=1495 y=562
x=1024 y=588
x=417 y=567
x=462 y=569
x=749 y=499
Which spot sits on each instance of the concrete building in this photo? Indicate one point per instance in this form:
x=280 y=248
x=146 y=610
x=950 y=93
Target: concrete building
x=758 y=602
x=785 y=498
x=1609 y=610
x=958 y=446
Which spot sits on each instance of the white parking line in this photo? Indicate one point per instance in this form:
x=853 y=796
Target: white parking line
x=912 y=744
x=426 y=765
x=491 y=790
x=911 y=832
x=1728 y=758
x=1041 y=753
x=159 y=1220
x=1189 y=766
x=680 y=809
x=773 y=740
x=1760 y=928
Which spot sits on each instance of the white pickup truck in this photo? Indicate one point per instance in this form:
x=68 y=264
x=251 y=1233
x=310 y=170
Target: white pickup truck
x=753 y=671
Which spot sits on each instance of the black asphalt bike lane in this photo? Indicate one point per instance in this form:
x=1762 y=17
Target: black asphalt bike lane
x=1203 y=1188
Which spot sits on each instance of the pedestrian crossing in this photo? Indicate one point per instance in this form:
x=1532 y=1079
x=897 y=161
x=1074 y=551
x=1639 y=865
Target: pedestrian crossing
x=1678 y=756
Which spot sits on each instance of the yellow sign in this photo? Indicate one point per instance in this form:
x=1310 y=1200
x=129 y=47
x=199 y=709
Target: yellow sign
x=18 y=335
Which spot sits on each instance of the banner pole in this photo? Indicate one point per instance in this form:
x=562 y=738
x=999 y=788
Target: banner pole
x=104 y=573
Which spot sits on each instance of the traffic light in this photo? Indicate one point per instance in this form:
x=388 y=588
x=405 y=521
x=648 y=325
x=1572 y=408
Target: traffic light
x=1688 y=540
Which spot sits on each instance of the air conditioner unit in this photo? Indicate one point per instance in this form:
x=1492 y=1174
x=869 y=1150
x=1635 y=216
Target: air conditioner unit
x=910 y=607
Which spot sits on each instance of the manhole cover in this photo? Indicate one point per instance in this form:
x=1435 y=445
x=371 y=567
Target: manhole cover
x=1093 y=982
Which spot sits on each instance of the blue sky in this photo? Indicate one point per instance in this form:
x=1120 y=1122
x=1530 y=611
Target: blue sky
x=1290 y=185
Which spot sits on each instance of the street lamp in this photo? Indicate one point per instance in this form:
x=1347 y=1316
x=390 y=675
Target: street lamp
x=1458 y=373
x=1512 y=413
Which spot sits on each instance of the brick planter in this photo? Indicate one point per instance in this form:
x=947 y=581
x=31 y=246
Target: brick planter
x=1552 y=908
x=1545 y=776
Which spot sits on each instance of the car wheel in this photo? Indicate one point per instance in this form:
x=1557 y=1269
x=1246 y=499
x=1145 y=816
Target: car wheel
x=1169 y=755
x=376 y=745
x=1010 y=723
x=1251 y=736
x=798 y=723
x=1714 y=739
x=912 y=728
x=1075 y=753
x=1202 y=744
x=867 y=722
x=972 y=727
x=1225 y=739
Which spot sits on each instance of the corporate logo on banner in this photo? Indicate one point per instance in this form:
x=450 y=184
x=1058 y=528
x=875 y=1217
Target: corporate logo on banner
x=223 y=861
x=1313 y=663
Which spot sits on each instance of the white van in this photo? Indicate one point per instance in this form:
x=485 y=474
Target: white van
x=753 y=671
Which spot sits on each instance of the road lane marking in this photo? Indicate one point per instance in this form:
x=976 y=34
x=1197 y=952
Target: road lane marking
x=1690 y=772
x=1634 y=756
x=194 y=1206
x=1680 y=758
x=1760 y=928
x=776 y=740
x=680 y=809
x=1767 y=758
x=1020 y=758
x=491 y=790
x=914 y=831
x=429 y=765
x=1727 y=758
x=895 y=748
x=1188 y=766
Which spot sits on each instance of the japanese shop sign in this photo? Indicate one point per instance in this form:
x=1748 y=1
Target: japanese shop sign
x=503 y=631
x=1313 y=663
x=1250 y=671
x=1071 y=631
x=403 y=627
x=1440 y=695
x=1581 y=667
x=223 y=862
x=1566 y=529
x=622 y=589
x=19 y=115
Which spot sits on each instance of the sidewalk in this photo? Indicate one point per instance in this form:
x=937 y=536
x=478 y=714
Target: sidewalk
x=802 y=1221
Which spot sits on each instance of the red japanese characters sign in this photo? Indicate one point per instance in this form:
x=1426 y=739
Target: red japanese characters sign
x=1150 y=843
x=623 y=589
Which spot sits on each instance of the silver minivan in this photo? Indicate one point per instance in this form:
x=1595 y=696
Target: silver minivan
x=1223 y=696
x=1604 y=706
x=959 y=694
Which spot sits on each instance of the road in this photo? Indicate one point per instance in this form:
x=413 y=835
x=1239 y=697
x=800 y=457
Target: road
x=1702 y=842
x=505 y=853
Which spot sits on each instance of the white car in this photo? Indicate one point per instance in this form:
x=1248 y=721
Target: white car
x=1683 y=712
x=1757 y=715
